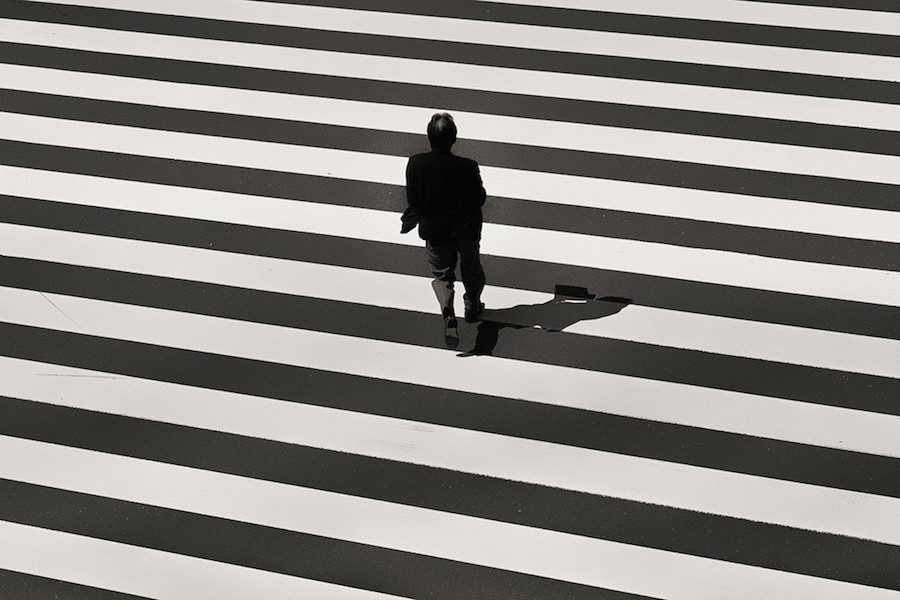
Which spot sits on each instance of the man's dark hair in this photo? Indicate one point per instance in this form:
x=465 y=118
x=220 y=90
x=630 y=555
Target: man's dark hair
x=441 y=131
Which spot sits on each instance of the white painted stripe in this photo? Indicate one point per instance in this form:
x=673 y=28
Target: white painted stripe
x=312 y=109
x=764 y=341
x=591 y=138
x=645 y=480
x=151 y=573
x=735 y=337
x=786 y=215
x=515 y=35
x=711 y=266
x=516 y=81
x=738 y=11
x=390 y=169
x=540 y=552
x=295 y=423
x=634 y=397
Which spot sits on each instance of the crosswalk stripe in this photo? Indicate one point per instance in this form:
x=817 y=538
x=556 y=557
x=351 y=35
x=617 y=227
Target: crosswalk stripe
x=807 y=217
x=810 y=424
x=730 y=411
x=387 y=360
x=458 y=75
x=514 y=35
x=302 y=60
x=562 y=466
x=287 y=422
x=637 y=375
x=293 y=107
x=739 y=11
x=747 y=155
x=829 y=350
x=208 y=448
x=151 y=573
x=713 y=266
x=516 y=548
x=410 y=574
x=763 y=156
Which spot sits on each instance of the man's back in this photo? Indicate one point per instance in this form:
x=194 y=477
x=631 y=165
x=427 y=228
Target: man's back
x=447 y=192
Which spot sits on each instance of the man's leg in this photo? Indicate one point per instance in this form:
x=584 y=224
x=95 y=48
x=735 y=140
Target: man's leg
x=442 y=260
x=472 y=276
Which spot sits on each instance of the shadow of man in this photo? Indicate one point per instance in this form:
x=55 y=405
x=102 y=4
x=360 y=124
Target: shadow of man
x=569 y=306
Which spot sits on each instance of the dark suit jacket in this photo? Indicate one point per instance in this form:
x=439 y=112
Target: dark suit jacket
x=445 y=196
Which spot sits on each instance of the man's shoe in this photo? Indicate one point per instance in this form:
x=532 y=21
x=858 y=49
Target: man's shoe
x=451 y=334
x=472 y=313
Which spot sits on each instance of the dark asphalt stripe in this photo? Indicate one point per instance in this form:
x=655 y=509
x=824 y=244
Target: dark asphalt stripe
x=629 y=522
x=646 y=361
x=775 y=459
x=276 y=550
x=23 y=586
x=648 y=25
x=696 y=29
x=527 y=214
x=824 y=190
x=681 y=232
x=789 y=245
x=811 y=135
x=874 y=5
x=562 y=17
x=705 y=298
x=578 y=111
x=596 y=113
x=540 y=60
x=542 y=159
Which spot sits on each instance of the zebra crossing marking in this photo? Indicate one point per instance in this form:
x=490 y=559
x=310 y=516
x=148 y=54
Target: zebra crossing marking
x=797 y=60
x=146 y=572
x=707 y=333
x=707 y=490
x=500 y=545
x=739 y=11
x=459 y=75
x=823 y=219
x=741 y=154
x=799 y=422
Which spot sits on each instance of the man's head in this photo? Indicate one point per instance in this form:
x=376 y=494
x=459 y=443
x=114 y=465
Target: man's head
x=441 y=132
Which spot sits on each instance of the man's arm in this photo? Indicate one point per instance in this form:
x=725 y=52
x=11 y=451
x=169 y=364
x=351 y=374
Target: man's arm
x=413 y=189
x=477 y=194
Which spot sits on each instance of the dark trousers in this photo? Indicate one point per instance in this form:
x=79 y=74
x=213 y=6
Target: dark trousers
x=442 y=258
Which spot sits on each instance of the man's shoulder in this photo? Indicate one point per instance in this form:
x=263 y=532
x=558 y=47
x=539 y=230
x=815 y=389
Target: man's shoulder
x=438 y=158
x=421 y=159
x=465 y=160
x=435 y=155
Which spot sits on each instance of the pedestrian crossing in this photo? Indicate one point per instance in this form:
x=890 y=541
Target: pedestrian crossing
x=806 y=15
x=515 y=35
x=222 y=372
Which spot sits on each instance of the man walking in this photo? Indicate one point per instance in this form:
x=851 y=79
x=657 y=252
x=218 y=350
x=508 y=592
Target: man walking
x=445 y=196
